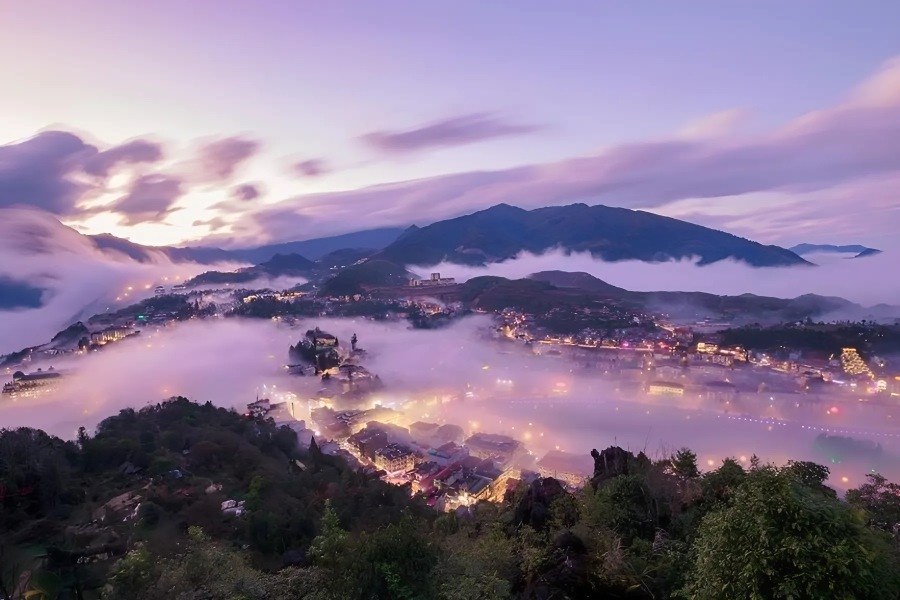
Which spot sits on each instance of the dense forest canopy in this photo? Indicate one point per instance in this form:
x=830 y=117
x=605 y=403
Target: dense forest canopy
x=136 y=511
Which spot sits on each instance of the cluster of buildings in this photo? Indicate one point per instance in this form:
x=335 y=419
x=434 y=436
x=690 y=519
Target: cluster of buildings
x=32 y=385
x=287 y=296
x=433 y=281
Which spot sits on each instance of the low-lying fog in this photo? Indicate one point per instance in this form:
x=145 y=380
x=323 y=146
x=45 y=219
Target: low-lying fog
x=867 y=281
x=546 y=402
x=78 y=279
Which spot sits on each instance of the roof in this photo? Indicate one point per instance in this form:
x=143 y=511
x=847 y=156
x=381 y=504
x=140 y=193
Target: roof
x=40 y=376
x=669 y=384
x=720 y=384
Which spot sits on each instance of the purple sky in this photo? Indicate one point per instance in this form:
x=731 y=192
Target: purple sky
x=172 y=121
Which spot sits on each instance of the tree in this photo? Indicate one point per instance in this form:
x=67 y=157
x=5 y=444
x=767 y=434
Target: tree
x=880 y=499
x=780 y=539
x=327 y=547
x=684 y=464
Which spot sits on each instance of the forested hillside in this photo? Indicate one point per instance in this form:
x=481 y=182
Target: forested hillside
x=136 y=511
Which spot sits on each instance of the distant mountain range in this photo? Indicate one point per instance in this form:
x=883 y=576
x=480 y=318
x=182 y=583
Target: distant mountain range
x=280 y=265
x=613 y=234
x=500 y=233
x=289 y=265
x=582 y=289
x=313 y=249
x=857 y=250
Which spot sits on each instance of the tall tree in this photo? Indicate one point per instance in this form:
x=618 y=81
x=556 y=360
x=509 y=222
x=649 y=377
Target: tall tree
x=780 y=539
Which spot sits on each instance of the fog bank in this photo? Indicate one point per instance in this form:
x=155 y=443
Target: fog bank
x=867 y=281
x=427 y=374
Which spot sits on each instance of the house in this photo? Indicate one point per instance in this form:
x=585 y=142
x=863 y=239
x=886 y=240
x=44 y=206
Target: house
x=394 y=458
x=233 y=508
x=665 y=388
x=448 y=453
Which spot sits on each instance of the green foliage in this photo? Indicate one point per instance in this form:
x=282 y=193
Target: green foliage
x=880 y=499
x=778 y=538
x=646 y=530
x=684 y=464
x=626 y=506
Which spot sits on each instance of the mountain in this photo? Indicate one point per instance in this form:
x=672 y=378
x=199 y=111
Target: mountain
x=280 y=265
x=340 y=259
x=584 y=281
x=858 y=250
x=501 y=232
x=313 y=249
x=868 y=252
x=373 y=272
x=570 y=288
x=319 y=247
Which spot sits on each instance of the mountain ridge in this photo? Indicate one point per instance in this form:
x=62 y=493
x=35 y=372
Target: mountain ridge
x=858 y=250
x=503 y=231
x=682 y=302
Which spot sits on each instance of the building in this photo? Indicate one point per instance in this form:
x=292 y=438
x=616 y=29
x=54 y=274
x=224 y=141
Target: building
x=32 y=385
x=665 y=388
x=435 y=280
x=720 y=391
x=368 y=442
x=448 y=453
x=572 y=469
x=422 y=432
x=259 y=408
x=111 y=334
x=394 y=458
x=500 y=448
x=853 y=364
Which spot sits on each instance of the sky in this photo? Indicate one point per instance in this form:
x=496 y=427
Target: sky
x=234 y=124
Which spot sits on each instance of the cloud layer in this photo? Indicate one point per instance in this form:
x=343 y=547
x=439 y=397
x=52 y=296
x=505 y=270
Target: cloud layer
x=769 y=185
x=865 y=281
x=846 y=144
x=78 y=279
x=454 y=131
x=597 y=411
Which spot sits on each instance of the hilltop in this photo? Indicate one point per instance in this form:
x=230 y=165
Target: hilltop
x=613 y=234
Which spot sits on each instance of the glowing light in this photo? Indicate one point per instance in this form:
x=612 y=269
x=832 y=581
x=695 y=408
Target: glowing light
x=710 y=462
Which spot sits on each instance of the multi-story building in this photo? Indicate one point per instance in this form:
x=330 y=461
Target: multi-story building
x=665 y=388
x=394 y=458
x=32 y=385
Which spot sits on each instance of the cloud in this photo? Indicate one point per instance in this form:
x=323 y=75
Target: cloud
x=246 y=192
x=150 y=197
x=716 y=124
x=78 y=279
x=454 y=131
x=213 y=224
x=312 y=167
x=133 y=152
x=595 y=410
x=218 y=160
x=856 y=139
x=38 y=171
x=864 y=281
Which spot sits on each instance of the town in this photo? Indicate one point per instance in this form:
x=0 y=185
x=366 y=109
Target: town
x=646 y=358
